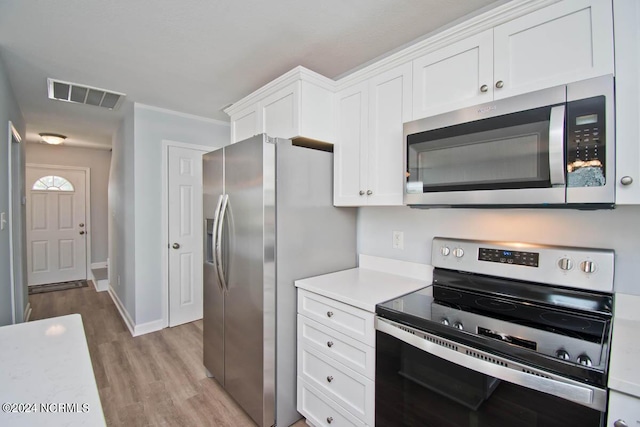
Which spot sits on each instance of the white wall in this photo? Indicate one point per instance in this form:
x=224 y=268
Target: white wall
x=99 y=162
x=617 y=229
x=9 y=110
x=135 y=197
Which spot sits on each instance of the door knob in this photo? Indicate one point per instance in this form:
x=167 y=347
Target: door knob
x=329 y=420
x=82 y=232
x=81 y=224
x=484 y=88
x=329 y=378
x=176 y=246
x=499 y=84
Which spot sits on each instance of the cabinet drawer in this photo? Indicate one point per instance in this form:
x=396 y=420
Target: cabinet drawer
x=350 y=352
x=624 y=408
x=352 y=391
x=351 y=321
x=320 y=410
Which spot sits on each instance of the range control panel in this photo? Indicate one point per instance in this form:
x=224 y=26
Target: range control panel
x=583 y=268
x=529 y=259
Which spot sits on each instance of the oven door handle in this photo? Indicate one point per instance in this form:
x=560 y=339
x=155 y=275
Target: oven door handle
x=496 y=366
x=557 y=163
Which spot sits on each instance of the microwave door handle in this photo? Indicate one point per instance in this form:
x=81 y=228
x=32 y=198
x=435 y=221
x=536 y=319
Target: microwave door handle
x=214 y=241
x=220 y=267
x=556 y=146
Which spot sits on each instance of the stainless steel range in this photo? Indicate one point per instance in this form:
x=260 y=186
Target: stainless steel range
x=508 y=334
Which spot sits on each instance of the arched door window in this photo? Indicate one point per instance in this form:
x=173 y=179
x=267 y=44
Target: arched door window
x=52 y=182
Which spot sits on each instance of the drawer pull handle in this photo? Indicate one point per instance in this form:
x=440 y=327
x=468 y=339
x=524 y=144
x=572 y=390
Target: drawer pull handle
x=329 y=420
x=329 y=344
x=329 y=378
x=329 y=313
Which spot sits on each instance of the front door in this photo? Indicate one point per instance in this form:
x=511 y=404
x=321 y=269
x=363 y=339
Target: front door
x=56 y=225
x=185 y=234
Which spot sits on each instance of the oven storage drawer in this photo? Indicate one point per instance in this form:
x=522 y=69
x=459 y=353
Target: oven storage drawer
x=356 y=323
x=346 y=350
x=351 y=390
x=320 y=410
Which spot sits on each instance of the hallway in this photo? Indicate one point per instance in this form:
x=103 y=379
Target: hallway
x=151 y=380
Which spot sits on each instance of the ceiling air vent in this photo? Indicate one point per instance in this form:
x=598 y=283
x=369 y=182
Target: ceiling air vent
x=79 y=94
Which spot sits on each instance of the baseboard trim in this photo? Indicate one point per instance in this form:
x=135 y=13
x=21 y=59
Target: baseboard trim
x=147 y=328
x=97 y=265
x=123 y=311
x=134 y=330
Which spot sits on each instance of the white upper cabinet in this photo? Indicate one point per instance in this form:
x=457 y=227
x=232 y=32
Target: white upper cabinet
x=627 y=48
x=368 y=160
x=455 y=76
x=565 y=42
x=297 y=104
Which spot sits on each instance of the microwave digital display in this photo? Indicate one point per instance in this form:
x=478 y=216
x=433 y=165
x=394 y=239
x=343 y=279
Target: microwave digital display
x=587 y=119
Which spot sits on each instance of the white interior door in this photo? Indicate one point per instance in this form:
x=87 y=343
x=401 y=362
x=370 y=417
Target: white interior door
x=185 y=234
x=56 y=225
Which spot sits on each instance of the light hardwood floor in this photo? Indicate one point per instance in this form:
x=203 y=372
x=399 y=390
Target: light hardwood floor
x=151 y=380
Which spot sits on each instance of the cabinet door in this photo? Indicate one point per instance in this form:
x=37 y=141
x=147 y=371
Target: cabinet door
x=627 y=37
x=568 y=41
x=456 y=76
x=348 y=160
x=389 y=107
x=624 y=408
x=245 y=124
x=280 y=112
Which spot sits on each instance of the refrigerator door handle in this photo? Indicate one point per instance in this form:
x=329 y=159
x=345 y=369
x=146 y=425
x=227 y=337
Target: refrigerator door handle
x=219 y=266
x=216 y=238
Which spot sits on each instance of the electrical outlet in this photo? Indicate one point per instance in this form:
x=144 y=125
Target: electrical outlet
x=398 y=240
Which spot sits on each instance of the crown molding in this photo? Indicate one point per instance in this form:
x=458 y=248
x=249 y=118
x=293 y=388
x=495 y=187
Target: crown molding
x=298 y=73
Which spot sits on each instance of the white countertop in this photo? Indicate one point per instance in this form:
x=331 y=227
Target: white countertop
x=45 y=366
x=368 y=285
x=624 y=373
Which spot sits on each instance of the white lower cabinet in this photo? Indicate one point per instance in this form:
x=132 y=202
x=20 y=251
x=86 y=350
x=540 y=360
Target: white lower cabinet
x=336 y=362
x=624 y=410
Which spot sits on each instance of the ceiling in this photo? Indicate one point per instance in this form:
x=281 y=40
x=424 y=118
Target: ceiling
x=192 y=56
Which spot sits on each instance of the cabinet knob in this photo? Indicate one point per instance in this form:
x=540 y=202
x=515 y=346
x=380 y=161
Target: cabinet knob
x=499 y=84
x=626 y=180
x=369 y=192
x=329 y=313
x=81 y=233
x=329 y=378
x=484 y=88
x=361 y=192
x=330 y=420
x=329 y=344
x=620 y=423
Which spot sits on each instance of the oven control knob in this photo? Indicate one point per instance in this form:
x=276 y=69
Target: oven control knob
x=584 y=360
x=445 y=321
x=458 y=252
x=565 y=264
x=563 y=354
x=445 y=251
x=588 y=266
x=458 y=325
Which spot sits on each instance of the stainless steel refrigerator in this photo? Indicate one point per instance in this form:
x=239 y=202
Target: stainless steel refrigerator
x=269 y=220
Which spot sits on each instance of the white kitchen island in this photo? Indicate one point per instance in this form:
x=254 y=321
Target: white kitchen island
x=46 y=376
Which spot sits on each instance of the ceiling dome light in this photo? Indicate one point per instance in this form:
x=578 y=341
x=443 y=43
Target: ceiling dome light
x=53 y=138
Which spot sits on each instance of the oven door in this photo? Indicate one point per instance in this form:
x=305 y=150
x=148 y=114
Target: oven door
x=424 y=380
x=488 y=154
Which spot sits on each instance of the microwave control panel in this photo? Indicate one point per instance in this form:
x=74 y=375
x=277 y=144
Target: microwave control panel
x=586 y=142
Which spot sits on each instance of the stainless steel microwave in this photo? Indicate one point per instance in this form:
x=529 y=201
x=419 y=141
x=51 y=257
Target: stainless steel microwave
x=550 y=148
